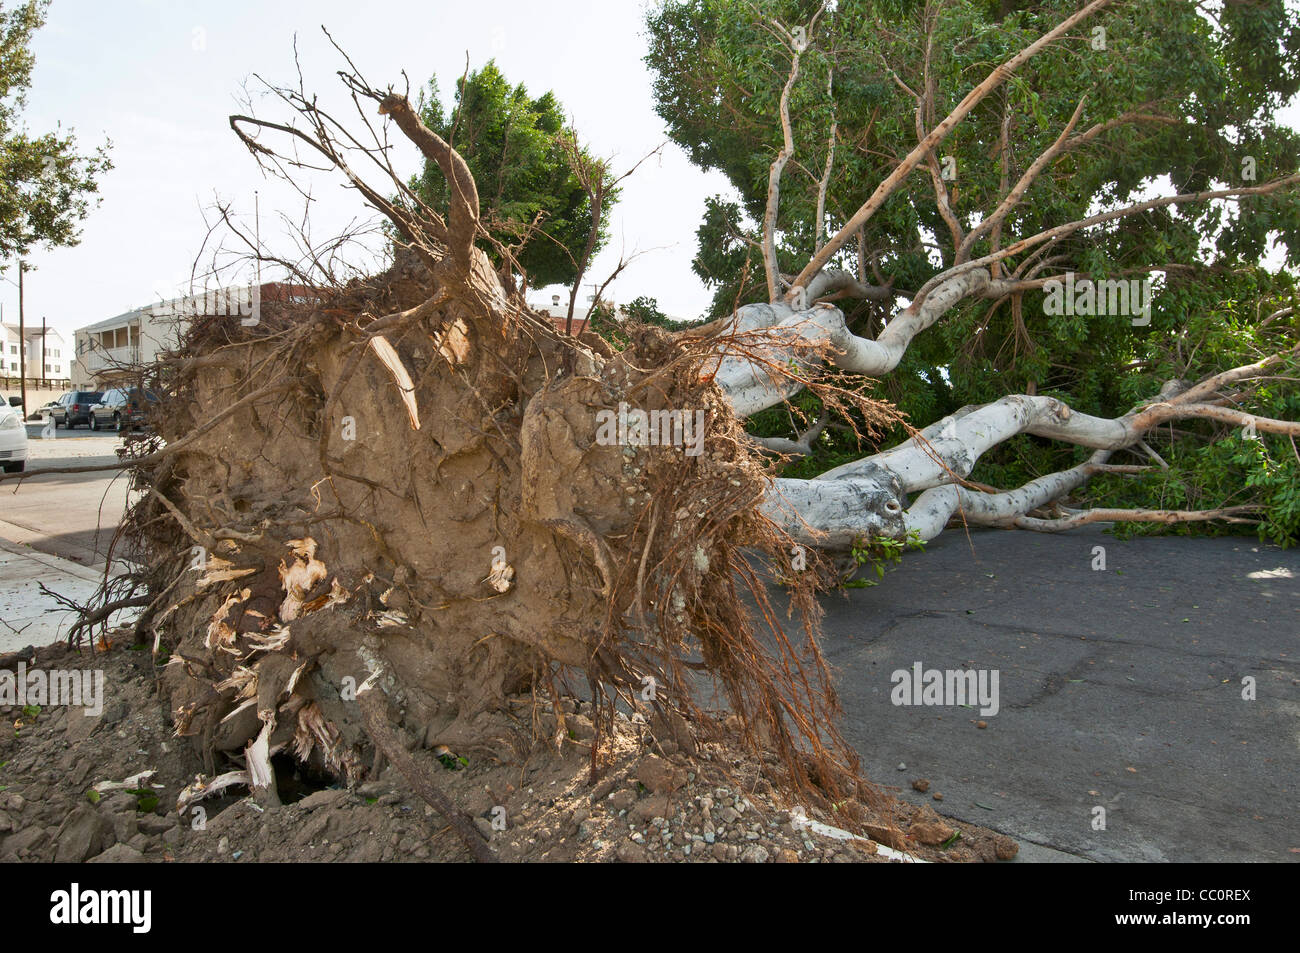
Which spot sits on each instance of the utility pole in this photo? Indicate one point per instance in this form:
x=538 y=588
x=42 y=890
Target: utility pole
x=22 y=343
x=44 y=355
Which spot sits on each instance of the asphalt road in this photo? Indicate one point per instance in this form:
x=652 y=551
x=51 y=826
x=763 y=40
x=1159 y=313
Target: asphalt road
x=72 y=515
x=1119 y=689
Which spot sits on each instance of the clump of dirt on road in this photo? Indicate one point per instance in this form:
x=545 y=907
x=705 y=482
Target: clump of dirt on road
x=104 y=788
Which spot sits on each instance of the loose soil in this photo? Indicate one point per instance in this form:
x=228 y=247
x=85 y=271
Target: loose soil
x=652 y=802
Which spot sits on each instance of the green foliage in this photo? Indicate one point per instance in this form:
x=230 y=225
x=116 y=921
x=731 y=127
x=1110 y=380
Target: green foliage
x=146 y=800
x=512 y=143
x=646 y=310
x=1217 y=74
x=46 y=185
x=643 y=310
x=880 y=553
x=452 y=762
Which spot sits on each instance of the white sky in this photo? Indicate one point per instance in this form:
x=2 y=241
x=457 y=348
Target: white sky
x=160 y=79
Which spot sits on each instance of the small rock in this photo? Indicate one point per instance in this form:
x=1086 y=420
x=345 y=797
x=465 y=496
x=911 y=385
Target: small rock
x=118 y=854
x=754 y=854
x=887 y=835
x=981 y=724
x=937 y=796
x=26 y=839
x=82 y=835
x=655 y=806
x=1005 y=847
x=931 y=833
x=902 y=766
x=323 y=798
x=153 y=825
x=140 y=842
x=621 y=800
x=81 y=727
x=630 y=853
x=659 y=775
x=921 y=784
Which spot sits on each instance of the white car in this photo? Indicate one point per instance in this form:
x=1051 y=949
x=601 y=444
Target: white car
x=13 y=440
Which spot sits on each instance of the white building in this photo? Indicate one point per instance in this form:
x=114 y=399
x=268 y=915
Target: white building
x=112 y=352
x=113 y=346
x=47 y=355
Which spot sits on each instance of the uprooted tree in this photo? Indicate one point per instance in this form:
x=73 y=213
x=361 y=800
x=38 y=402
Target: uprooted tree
x=411 y=484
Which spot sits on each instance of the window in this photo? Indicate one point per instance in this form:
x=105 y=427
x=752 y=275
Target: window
x=13 y=365
x=13 y=349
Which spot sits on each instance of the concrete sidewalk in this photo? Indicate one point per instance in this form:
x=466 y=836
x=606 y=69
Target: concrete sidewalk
x=27 y=615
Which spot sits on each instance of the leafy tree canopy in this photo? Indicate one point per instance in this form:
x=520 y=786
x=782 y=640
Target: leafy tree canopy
x=47 y=187
x=1176 y=96
x=513 y=144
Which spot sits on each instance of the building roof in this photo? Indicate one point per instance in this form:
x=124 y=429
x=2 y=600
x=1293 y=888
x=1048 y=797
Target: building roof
x=32 y=330
x=122 y=318
x=270 y=291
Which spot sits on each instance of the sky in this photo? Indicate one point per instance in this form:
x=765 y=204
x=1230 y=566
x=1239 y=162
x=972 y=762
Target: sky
x=159 y=79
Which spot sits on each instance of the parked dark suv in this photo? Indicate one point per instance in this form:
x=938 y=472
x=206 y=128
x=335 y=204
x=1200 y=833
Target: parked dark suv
x=121 y=408
x=74 y=408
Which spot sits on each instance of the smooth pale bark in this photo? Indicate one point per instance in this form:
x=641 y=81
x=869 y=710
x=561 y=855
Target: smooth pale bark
x=953 y=446
x=947 y=451
x=931 y=511
x=831 y=515
x=766 y=338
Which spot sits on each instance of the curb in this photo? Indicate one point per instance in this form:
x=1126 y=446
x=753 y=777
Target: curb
x=55 y=563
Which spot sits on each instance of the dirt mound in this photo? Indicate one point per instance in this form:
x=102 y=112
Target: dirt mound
x=653 y=802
